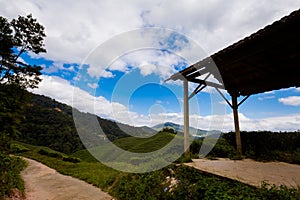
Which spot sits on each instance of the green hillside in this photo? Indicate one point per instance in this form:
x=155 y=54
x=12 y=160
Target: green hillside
x=190 y=183
x=131 y=144
x=50 y=123
x=145 y=145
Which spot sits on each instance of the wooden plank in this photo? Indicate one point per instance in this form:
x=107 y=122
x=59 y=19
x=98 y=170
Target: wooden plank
x=186 y=117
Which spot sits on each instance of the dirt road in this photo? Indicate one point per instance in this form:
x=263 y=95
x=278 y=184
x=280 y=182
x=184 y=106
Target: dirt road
x=251 y=172
x=42 y=182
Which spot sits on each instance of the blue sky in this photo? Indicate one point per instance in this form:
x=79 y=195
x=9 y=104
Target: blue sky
x=106 y=60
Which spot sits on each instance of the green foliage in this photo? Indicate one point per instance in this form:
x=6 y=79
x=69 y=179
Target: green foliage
x=144 y=145
x=54 y=154
x=13 y=99
x=16 y=37
x=84 y=155
x=140 y=186
x=71 y=159
x=269 y=146
x=184 y=159
x=21 y=35
x=190 y=183
x=50 y=123
x=94 y=173
x=18 y=148
x=10 y=178
x=195 y=184
x=296 y=156
x=223 y=149
x=195 y=147
x=46 y=126
x=262 y=145
x=169 y=130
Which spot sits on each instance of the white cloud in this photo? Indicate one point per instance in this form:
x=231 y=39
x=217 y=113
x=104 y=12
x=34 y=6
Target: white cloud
x=75 y=28
x=265 y=97
x=290 y=101
x=270 y=92
x=139 y=49
x=93 y=85
x=57 y=66
x=63 y=91
x=147 y=68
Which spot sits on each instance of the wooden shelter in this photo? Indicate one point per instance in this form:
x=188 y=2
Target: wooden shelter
x=266 y=60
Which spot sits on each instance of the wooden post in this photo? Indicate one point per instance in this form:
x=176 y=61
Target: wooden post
x=236 y=124
x=186 y=117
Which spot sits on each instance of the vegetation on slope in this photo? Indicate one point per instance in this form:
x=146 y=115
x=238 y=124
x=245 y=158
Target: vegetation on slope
x=269 y=146
x=171 y=182
x=258 y=145
x=50 y=123
x=10 y=175
x=17 y=37
x=145 y=145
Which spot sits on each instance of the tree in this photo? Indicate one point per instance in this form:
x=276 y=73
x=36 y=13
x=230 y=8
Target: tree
x=19 y=36
x=169 y=130
x=22 y=35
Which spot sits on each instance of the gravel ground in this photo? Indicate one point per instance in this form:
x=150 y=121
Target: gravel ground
x=42 y=182
x=251 y=172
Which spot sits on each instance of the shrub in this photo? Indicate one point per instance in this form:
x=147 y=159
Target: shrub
x=296 y=156
x=10 y=168
x=195 y=147
x=71 y=159
x=43 y=152
x=223 y=149
x=50 y=153
x=18 y=148
x=140 y=186
x=55 y=155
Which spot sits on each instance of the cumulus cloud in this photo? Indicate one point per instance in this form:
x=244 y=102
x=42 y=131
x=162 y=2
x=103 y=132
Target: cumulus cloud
x=93 y=85
x=63 y=91
x=290 y=101
x=75 y=28
x=58 y=66
x=265 y=97
x=142 y=49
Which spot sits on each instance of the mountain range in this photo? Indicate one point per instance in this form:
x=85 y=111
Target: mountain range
x=180 y=129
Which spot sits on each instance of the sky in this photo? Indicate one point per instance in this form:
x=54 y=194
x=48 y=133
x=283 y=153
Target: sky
x=111 y=58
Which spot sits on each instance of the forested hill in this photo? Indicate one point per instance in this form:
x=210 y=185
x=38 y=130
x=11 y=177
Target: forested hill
x=50 y=123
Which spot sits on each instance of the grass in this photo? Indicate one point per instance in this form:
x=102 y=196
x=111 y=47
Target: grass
x=190 y=183
x=92 y=172
x=131 y=154
x=145 y=145
x=10 y=168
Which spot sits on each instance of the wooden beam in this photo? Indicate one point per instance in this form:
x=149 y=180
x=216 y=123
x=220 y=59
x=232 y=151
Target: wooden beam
x=208 y=83
x=186 y=117
x=236 y=124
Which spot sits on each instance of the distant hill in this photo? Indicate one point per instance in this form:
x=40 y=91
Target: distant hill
x=180 y=128
x=50 y=123
x=157 y=145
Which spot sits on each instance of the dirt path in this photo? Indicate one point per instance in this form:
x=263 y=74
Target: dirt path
x=251 y=172
x=42 y=182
